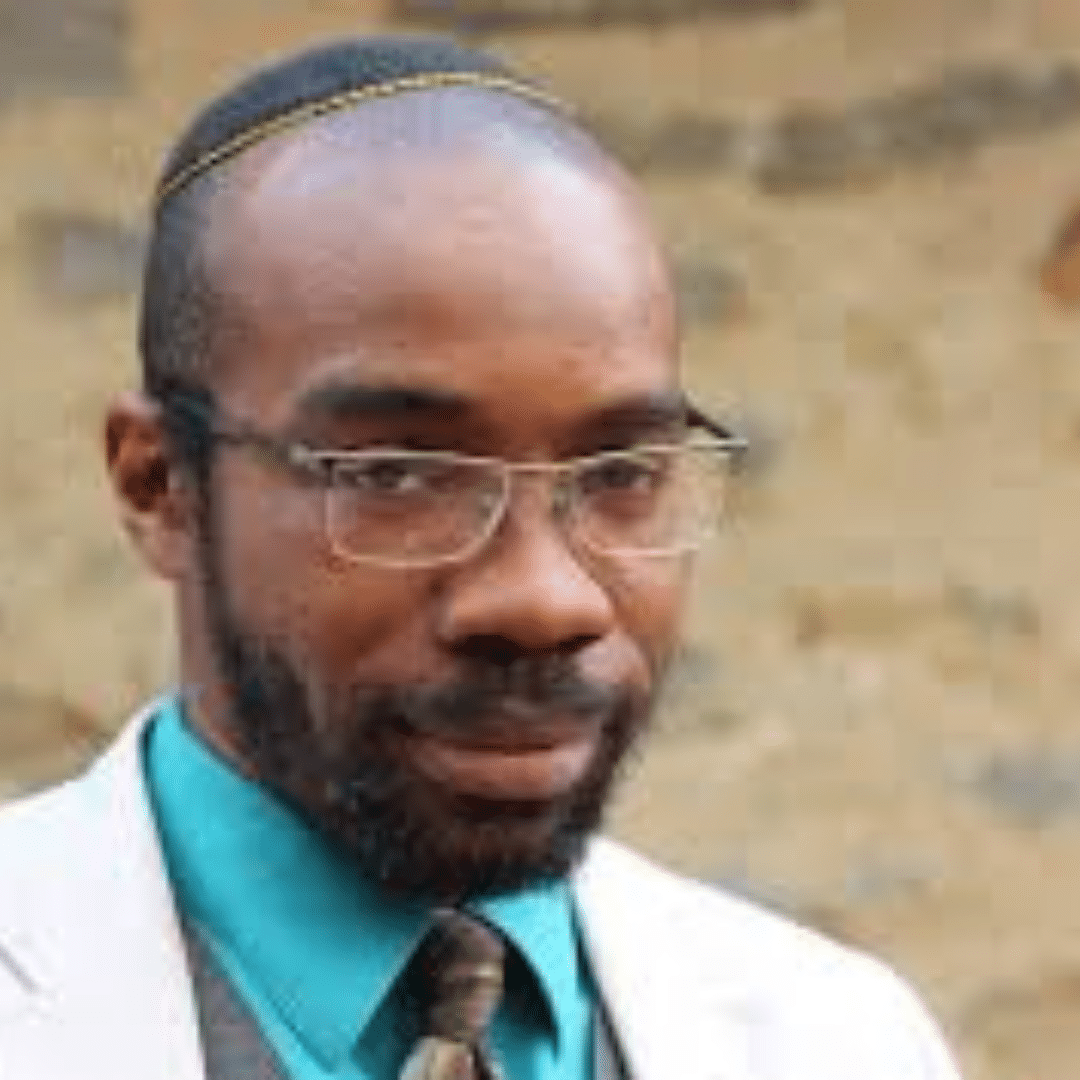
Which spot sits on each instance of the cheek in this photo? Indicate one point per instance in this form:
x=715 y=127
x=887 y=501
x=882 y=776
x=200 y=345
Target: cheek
x=649 y=595
x=286 y=586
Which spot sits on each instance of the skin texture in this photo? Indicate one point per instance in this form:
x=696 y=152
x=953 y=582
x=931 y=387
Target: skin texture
x=455 y=729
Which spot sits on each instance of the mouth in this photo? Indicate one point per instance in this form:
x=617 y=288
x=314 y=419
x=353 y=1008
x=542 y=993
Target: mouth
x=505 y=759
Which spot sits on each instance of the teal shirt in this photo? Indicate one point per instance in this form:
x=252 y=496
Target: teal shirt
x=315 y=951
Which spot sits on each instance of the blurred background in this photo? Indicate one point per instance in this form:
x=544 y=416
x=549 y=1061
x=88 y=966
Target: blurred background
x=869 y=205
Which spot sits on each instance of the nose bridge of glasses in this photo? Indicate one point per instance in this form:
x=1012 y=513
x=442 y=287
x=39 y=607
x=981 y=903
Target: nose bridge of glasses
x=550 y=478
x=537 y=530
x=546 y=488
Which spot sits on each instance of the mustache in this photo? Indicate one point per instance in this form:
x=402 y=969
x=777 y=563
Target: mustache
x=526 y=690
x=523 y=688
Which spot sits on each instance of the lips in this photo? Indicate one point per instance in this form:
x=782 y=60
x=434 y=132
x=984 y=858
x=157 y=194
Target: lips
x=507 y=757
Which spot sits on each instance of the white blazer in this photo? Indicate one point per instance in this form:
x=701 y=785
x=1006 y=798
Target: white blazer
x=94 y=982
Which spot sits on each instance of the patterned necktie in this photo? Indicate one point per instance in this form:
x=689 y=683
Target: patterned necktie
x=459 y=979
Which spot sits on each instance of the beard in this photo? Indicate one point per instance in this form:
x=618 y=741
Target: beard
x=341 y=769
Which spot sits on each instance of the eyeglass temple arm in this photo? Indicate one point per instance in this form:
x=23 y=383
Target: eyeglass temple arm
x=696 y=418
x=196 y=407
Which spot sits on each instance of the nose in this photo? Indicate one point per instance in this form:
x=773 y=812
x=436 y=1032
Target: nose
x=527 y=591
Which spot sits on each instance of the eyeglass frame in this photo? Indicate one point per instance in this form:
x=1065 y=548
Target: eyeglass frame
x=319 y=464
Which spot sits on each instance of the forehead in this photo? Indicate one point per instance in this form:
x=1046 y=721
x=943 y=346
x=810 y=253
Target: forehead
x=480 y=260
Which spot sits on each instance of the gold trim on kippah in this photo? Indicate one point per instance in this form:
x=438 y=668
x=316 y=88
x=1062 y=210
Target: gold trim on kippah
x=335 y=102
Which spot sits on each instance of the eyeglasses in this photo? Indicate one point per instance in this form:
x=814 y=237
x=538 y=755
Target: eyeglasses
x=417 y=508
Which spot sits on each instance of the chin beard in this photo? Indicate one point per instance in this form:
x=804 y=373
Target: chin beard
x=338 y=768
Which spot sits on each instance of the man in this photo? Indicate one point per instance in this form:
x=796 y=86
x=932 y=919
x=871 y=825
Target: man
x=413 y=455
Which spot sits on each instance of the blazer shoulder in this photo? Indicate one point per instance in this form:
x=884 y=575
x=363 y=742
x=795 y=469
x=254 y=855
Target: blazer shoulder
x=805 y=989
x=45 y=841
x=706 y=915
x=49 y=837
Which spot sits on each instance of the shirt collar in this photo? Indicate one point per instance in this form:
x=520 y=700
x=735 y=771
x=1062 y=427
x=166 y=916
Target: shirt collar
x=322 y=944
x=540 y=923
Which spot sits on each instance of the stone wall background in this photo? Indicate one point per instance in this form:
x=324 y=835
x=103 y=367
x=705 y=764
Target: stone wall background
x=872 y=723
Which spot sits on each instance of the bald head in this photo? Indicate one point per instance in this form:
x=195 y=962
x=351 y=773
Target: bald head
x=356 y=214
x=423 y=176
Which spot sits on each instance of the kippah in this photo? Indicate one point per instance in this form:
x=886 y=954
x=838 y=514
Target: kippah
x=329 y=78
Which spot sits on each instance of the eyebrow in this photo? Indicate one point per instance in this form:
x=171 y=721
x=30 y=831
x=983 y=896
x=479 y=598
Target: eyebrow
x=353 y=401
x=356 y=401
x=647 y=412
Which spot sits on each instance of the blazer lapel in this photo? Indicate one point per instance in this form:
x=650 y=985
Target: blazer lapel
x=93 y=975
x=670 y=1018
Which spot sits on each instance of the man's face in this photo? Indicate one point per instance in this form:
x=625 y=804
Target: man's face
x=455 y=728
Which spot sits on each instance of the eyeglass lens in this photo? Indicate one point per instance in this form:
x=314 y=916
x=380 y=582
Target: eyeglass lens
x=416 y=508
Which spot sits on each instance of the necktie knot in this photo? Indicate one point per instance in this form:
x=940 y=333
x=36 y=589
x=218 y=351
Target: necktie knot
x=464 y=961
x=459 y=968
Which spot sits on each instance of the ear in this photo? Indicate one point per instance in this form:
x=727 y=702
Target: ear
x=157 y=503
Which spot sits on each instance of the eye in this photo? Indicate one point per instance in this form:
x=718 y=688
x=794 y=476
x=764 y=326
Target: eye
x=389 y=474
x=624 y=473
